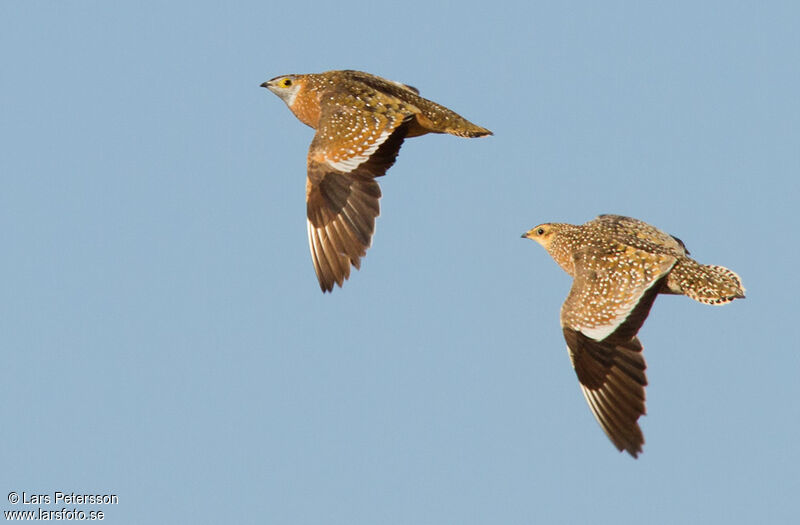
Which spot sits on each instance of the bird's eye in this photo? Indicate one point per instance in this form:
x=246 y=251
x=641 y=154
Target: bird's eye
x=540 y=231
x=286 y=82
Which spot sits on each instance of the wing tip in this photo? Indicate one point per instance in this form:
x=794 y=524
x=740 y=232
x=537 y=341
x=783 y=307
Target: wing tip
x=633 y=450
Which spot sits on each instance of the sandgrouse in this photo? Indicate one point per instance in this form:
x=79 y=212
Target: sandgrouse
x=361 y=122
x=619 y=265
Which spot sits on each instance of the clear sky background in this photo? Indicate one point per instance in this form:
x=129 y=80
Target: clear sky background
x=163 y=336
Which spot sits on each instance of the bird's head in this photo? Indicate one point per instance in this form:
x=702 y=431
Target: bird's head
x=285 y=86
x=543 y=234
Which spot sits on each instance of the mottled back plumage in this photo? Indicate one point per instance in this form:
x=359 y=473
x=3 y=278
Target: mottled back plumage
x=619 y=265
x=361 y=122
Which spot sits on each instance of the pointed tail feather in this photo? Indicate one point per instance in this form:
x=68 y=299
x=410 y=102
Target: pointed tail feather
x=435 y=118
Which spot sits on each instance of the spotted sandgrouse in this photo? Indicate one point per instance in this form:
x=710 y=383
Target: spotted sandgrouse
x=619 y=265
x=361 y=122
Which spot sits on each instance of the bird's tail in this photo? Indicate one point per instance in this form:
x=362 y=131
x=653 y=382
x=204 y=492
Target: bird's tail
x=705 y=283
x=435 y=118
x=465 y=128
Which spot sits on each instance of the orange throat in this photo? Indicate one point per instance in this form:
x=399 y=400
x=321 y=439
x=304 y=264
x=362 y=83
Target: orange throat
x=306 y=107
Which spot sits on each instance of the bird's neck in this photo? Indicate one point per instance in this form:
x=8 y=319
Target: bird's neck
x=306 y=107
x=563 y=246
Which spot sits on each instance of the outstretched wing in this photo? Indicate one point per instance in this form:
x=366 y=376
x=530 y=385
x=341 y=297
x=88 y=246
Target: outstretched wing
x=612 y=380
x=352 y=146
x=610 y=298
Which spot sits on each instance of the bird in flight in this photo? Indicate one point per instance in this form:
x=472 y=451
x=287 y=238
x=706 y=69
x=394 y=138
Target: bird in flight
x=361 y=121
x=619 y=265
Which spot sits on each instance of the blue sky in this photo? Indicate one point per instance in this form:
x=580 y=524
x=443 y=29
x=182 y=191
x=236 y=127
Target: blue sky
x=164 y=339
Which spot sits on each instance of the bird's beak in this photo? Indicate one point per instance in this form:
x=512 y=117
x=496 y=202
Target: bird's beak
x=525 y=235
x=265 y=85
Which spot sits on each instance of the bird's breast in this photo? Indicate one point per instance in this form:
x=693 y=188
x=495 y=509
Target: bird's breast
x=306 y=107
